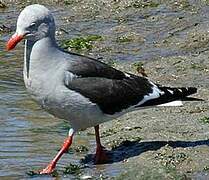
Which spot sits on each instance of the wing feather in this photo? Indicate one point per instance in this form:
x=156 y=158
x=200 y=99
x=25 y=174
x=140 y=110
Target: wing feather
x=112 y=95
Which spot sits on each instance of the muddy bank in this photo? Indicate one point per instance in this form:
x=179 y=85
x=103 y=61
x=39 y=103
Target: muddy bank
x=167 y=142
x=169 y=39
x=131 y=30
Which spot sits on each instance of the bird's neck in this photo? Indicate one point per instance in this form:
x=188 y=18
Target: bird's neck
x=37 y=52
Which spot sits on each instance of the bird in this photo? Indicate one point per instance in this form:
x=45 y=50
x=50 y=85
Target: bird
x=78 y=88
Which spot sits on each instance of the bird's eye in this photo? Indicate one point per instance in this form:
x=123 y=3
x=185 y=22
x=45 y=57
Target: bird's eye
x=32 y=25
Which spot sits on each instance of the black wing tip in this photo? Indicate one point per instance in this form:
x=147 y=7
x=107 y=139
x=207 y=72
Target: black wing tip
x=190 y=90
x=194 y=89
x=180 y=91
x=192 y=99
x=183 y=92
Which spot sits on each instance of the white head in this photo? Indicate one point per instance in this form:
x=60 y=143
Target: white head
x=34 y=23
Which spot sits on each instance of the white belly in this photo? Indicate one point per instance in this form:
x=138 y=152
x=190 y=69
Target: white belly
x=69 y=105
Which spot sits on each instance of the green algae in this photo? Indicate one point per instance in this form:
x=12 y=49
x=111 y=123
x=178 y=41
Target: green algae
x=72 y=169
x=81 y=43
x=144 y=4
x=204 y=120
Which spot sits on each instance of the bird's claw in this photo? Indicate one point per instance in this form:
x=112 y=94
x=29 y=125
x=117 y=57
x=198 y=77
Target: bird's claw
x=101 y=156
x=49 y=169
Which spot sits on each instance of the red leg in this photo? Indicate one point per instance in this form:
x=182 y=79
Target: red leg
x=100 y=156
x=51 y=166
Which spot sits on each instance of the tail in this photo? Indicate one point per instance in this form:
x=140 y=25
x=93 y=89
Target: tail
x=172 y=96
x=178 y=93
x=175 y=96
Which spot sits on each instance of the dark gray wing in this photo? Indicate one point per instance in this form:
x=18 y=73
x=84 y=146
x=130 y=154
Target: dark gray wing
x=89 y=67
x=112 y=95
x=113 y=91
x=110 y=89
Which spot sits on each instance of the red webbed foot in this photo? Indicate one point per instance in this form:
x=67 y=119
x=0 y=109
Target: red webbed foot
x=49 y=169
x=101 y=156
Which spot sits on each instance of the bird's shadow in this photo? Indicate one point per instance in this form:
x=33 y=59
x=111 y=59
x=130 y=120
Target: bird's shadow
x=129 y=149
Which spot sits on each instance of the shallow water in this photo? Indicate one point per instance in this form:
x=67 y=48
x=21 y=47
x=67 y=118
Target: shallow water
x=29 y=137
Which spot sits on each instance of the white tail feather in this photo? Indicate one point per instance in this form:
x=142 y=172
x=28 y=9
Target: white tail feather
x=173 y=103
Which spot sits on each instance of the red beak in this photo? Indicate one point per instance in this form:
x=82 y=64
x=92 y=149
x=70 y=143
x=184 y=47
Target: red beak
x=13 y=41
